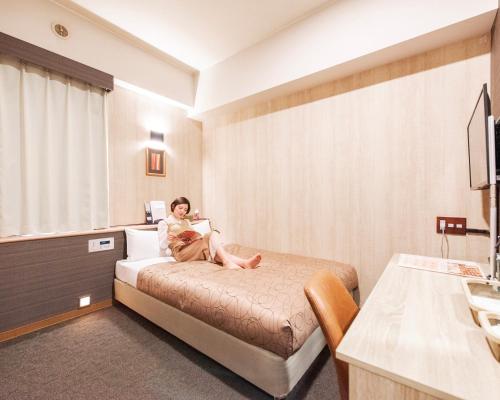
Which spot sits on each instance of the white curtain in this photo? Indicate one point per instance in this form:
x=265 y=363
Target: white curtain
x=53 y=152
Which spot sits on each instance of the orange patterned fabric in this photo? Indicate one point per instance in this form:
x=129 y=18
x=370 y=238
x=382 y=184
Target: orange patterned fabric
x=265 y=307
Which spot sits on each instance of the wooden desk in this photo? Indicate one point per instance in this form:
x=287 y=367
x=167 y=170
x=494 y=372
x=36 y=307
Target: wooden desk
x=415 y=339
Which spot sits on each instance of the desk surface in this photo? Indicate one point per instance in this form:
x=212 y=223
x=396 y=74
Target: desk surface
x=416 y=329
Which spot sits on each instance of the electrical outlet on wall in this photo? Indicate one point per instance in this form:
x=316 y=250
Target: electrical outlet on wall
x=451 y=225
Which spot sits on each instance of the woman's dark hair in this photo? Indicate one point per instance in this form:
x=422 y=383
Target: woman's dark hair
x=180 y=200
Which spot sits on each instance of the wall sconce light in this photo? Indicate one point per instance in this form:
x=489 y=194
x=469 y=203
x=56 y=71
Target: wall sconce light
x=156 y=141
x=157 y=136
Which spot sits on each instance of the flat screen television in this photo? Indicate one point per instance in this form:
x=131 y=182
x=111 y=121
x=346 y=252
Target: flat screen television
x=477 y=135
x=483 y=136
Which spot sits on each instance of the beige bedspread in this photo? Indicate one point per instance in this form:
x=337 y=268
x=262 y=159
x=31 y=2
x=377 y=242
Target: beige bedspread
x=265 y=307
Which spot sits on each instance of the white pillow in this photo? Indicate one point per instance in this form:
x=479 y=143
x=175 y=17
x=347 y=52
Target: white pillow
x=202 y=227
x=142 y=244
x=163 y=239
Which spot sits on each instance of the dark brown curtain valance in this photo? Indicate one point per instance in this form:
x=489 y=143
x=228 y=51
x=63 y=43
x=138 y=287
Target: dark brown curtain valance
x=26 y=51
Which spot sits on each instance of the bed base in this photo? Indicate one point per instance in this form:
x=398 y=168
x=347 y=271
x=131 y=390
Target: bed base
x=264 y=369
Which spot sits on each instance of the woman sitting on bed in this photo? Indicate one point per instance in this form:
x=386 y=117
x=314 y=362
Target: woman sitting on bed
x=188 y=245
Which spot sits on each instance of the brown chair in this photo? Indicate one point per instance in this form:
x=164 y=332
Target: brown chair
x=335 y=309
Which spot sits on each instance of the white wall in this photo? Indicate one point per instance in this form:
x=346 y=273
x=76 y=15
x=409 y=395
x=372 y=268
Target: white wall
x=372 y=32
x=90 y=44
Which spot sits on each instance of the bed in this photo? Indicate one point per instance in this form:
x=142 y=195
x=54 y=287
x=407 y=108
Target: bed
x=256 y=323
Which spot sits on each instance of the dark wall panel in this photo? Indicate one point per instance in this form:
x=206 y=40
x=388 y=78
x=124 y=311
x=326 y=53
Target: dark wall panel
x=55 y=62
x=42 y=278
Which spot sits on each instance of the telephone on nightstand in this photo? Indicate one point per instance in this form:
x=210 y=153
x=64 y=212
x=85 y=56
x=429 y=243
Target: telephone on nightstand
x=149 y=217
x=155 y=211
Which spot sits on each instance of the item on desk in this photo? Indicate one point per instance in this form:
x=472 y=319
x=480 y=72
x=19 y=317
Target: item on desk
x=490 y=322
x=443 y=265
x=482 y=295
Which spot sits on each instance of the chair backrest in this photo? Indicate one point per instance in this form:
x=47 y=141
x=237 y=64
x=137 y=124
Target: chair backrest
x=335 y=309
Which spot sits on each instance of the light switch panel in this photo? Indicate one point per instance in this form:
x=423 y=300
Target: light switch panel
x=101 y=244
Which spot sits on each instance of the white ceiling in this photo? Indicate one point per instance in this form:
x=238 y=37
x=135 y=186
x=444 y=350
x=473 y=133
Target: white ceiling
x=201 y=33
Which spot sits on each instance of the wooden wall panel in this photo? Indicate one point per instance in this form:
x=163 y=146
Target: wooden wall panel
x=357 y=169
x=46 y=277
x=131 y=118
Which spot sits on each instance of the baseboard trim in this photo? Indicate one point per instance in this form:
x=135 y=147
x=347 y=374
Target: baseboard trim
x=54 y=320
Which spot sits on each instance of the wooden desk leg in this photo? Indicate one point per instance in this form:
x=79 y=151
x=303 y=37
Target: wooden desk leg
x=365 y=385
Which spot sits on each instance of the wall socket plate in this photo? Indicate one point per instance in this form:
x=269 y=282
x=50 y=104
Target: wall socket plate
x=452 y=225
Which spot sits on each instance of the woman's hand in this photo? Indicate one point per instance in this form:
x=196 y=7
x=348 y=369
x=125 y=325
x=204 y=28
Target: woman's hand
x=171 y=237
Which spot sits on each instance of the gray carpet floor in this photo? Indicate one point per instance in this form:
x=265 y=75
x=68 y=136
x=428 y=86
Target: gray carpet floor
x=117 y=354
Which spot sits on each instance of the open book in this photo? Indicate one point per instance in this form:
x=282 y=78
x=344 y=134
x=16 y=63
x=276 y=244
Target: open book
x=189 y=236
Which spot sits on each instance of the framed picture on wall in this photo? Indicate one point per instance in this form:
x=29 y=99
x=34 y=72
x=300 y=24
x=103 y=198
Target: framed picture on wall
x=155 y=162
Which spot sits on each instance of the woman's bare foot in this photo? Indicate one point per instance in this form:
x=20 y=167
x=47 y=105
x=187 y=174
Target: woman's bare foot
x=231 y=265
x=252 y=262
